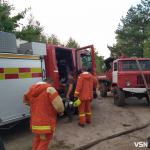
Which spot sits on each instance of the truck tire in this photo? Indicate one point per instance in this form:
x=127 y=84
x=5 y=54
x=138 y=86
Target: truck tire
x=103 y=90
x=119 y=97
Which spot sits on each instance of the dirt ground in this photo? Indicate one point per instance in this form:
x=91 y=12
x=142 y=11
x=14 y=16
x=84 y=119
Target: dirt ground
x=107 y=119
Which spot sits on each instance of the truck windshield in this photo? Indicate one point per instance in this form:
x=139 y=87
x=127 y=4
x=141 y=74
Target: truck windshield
x=132 y=65
x=86 y=60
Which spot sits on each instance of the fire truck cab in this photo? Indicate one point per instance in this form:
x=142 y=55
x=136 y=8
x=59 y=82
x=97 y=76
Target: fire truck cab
x=125 y=80
x=60 y=60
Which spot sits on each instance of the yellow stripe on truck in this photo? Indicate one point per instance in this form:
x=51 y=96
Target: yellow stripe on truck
x=36 y=70
x=11 y=70
x=19 y=56
x=24 y=75
x=2 y=77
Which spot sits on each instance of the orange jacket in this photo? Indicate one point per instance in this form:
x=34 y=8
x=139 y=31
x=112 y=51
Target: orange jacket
x=44 y=102
x=85 y=84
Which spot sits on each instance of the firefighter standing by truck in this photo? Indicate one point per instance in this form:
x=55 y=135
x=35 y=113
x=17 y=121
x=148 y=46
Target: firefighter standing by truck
x=69 y=92
x=84 y=91
x=45 y=103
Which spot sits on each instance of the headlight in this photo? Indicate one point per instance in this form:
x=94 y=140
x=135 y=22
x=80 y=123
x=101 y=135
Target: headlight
x=127 y=83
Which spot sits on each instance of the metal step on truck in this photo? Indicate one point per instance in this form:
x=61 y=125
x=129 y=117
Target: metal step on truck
x=24 y=63
x=125 y=80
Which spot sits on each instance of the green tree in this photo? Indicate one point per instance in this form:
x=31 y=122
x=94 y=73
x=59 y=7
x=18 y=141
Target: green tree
x=43 y=38
x=53 y=40
x=32 y=31
x=133 y=30
x=99 y=63
x=8 y=23
x=71 y=43
x=146 y=44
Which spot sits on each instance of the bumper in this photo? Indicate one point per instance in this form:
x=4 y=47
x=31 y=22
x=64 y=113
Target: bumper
x=135 y=90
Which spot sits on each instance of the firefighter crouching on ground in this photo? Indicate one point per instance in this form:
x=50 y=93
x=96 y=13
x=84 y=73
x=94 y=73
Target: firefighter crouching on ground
x=45 y=103
x=84 y=90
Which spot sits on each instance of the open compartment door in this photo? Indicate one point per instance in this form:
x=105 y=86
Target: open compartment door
x=85 y=58
x=65 y=64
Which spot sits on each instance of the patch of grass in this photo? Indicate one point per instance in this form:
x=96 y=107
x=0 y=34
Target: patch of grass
x=62 y=145
x=122 y=107
x=126 y=125
x=98 y=134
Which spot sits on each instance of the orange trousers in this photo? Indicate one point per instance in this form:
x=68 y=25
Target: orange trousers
x=42 y=141
x=85 y=105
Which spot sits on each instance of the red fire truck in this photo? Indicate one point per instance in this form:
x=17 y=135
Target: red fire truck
x=125 y=80
x=26 y=63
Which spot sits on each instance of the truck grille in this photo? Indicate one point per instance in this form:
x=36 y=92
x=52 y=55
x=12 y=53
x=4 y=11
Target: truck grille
x=140 y=79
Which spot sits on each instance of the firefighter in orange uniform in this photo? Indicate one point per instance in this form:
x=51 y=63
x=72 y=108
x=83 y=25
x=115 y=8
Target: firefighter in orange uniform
x=45 y=103
x=84 y=90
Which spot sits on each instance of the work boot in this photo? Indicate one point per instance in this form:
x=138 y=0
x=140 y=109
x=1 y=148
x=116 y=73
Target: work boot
x=81 y=125
x=70 y=119
x=88 y=122
x=148 y=142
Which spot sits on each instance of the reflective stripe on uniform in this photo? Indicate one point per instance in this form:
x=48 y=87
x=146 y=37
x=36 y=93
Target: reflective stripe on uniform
x=76 y=92
x=81 y=115
x=54 y=129
x=88 y=113
x=41 y=127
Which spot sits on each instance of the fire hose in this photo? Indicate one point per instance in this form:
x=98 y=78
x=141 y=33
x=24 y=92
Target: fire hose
x=124 y=132
x=111 y=137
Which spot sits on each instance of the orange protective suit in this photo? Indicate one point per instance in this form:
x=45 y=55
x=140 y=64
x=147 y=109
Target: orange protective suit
x=84 y=90
x=45 y=103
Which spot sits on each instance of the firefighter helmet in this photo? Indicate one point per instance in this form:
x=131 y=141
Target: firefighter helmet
x=76 y=102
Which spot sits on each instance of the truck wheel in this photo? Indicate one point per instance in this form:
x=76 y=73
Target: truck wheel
x=147 y=98
x=119 y=97
x=103 y=90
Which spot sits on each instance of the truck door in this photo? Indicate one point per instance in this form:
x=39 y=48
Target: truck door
x=85 y=58
x=115 y=72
